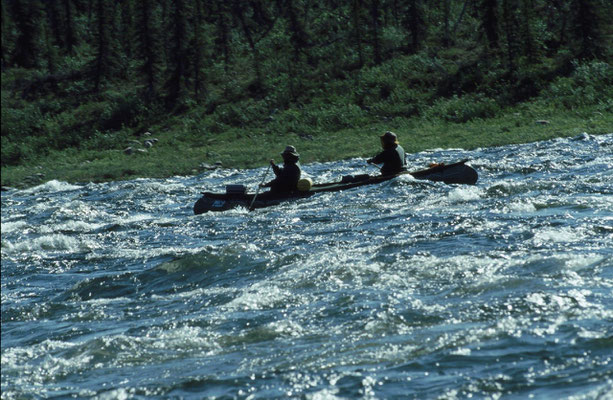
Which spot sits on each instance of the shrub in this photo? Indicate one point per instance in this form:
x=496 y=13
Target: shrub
x=402 y=102
x=590 y=84
x=380 y=82
x=21 y=122
x=12 y=153
x=104 y=140
x=463 y=109
x=234 y=114
x=125 y=111
x=333 y=117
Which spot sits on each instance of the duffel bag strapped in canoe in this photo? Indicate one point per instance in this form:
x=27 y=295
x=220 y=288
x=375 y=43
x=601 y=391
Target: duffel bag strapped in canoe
x=355 y=178
x=237 y=190
x=304 y=184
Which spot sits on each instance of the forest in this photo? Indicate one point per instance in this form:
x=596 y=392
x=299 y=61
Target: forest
x=92 y=74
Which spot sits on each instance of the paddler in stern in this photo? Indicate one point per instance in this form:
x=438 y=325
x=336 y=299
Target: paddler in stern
x=392 y=157
x=287 y=177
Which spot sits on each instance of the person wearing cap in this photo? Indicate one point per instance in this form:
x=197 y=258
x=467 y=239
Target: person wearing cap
x=286 y=177
x=392 y=157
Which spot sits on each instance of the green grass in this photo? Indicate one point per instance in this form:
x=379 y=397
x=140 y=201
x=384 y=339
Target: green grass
x=181 y=149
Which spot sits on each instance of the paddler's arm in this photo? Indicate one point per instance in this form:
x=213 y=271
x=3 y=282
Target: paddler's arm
x=378 y=159
x=275 y=168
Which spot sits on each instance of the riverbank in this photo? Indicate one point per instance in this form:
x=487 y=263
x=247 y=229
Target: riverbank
x=172 y=148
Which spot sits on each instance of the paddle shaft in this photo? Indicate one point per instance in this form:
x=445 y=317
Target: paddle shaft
x=258 y=189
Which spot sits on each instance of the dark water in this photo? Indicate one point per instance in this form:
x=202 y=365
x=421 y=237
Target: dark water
x=404 y=290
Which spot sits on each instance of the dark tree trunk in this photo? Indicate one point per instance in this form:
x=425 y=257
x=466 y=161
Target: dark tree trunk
x=489 y=23
x=178 y=55
x=510 y=26
x=101 y=67
x=586 y=29
x=357 y=29
x=26 y=15
x=199 y=86
x=416 y=25
x=149 y=48
x=374 y=10
x=239 y=14
x=71 y=40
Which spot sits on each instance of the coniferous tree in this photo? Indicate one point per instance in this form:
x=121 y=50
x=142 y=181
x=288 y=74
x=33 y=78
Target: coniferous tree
x=149 y=47
x=198 y=49
x=176 y=84
x=375 y=27
x=415 y=25
x=221 y=21
x=559 y=23
x=489 y=22
x=51 y=54
x=105 y=63
x=239 y=13
x=527 y=36
x=5 y=34
x=446 y=16
x=509 y=8
x=71 y=39
x=357 y=29
x=586 y=29
x=27 y=18
x=53 y=18
x=127 y=28
x=300 y=42
x=297 y=33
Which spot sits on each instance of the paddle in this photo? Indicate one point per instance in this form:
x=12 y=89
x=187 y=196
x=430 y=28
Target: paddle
x=258 y=189
x=375 y=165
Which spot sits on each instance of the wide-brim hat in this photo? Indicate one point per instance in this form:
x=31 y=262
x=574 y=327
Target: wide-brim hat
x=290 y=151
x=389 y=137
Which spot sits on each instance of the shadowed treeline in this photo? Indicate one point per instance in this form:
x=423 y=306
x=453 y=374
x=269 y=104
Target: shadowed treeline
x=91 y=74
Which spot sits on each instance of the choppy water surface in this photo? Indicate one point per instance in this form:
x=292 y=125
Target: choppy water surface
x=404 y=290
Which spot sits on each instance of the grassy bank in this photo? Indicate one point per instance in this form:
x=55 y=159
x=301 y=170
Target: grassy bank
x=183 y=149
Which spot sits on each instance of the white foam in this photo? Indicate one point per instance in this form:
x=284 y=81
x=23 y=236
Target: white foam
x=54 y=242
x=259 y=296
x=287 y=328
x=462 y=351
x=8 y=227
x=70 y=226
x=19 y=358
x=464 y=194
x=560 y=235
x=52 y=186
x=324 y=394
x=520 y=206
x=116 y=394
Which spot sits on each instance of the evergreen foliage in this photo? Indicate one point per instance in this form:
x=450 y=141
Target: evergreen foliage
x=88 y=74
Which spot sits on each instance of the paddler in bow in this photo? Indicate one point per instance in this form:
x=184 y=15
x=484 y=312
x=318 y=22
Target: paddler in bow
x=392 y=157
x=287 y=177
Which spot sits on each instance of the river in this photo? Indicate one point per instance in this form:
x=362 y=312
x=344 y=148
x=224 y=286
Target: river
x=407 y=289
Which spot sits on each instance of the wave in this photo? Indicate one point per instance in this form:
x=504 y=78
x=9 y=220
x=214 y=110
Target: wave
x=53 y=242
x=53 y=186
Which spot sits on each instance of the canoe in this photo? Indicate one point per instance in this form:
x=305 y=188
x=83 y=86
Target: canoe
x=456 y=173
